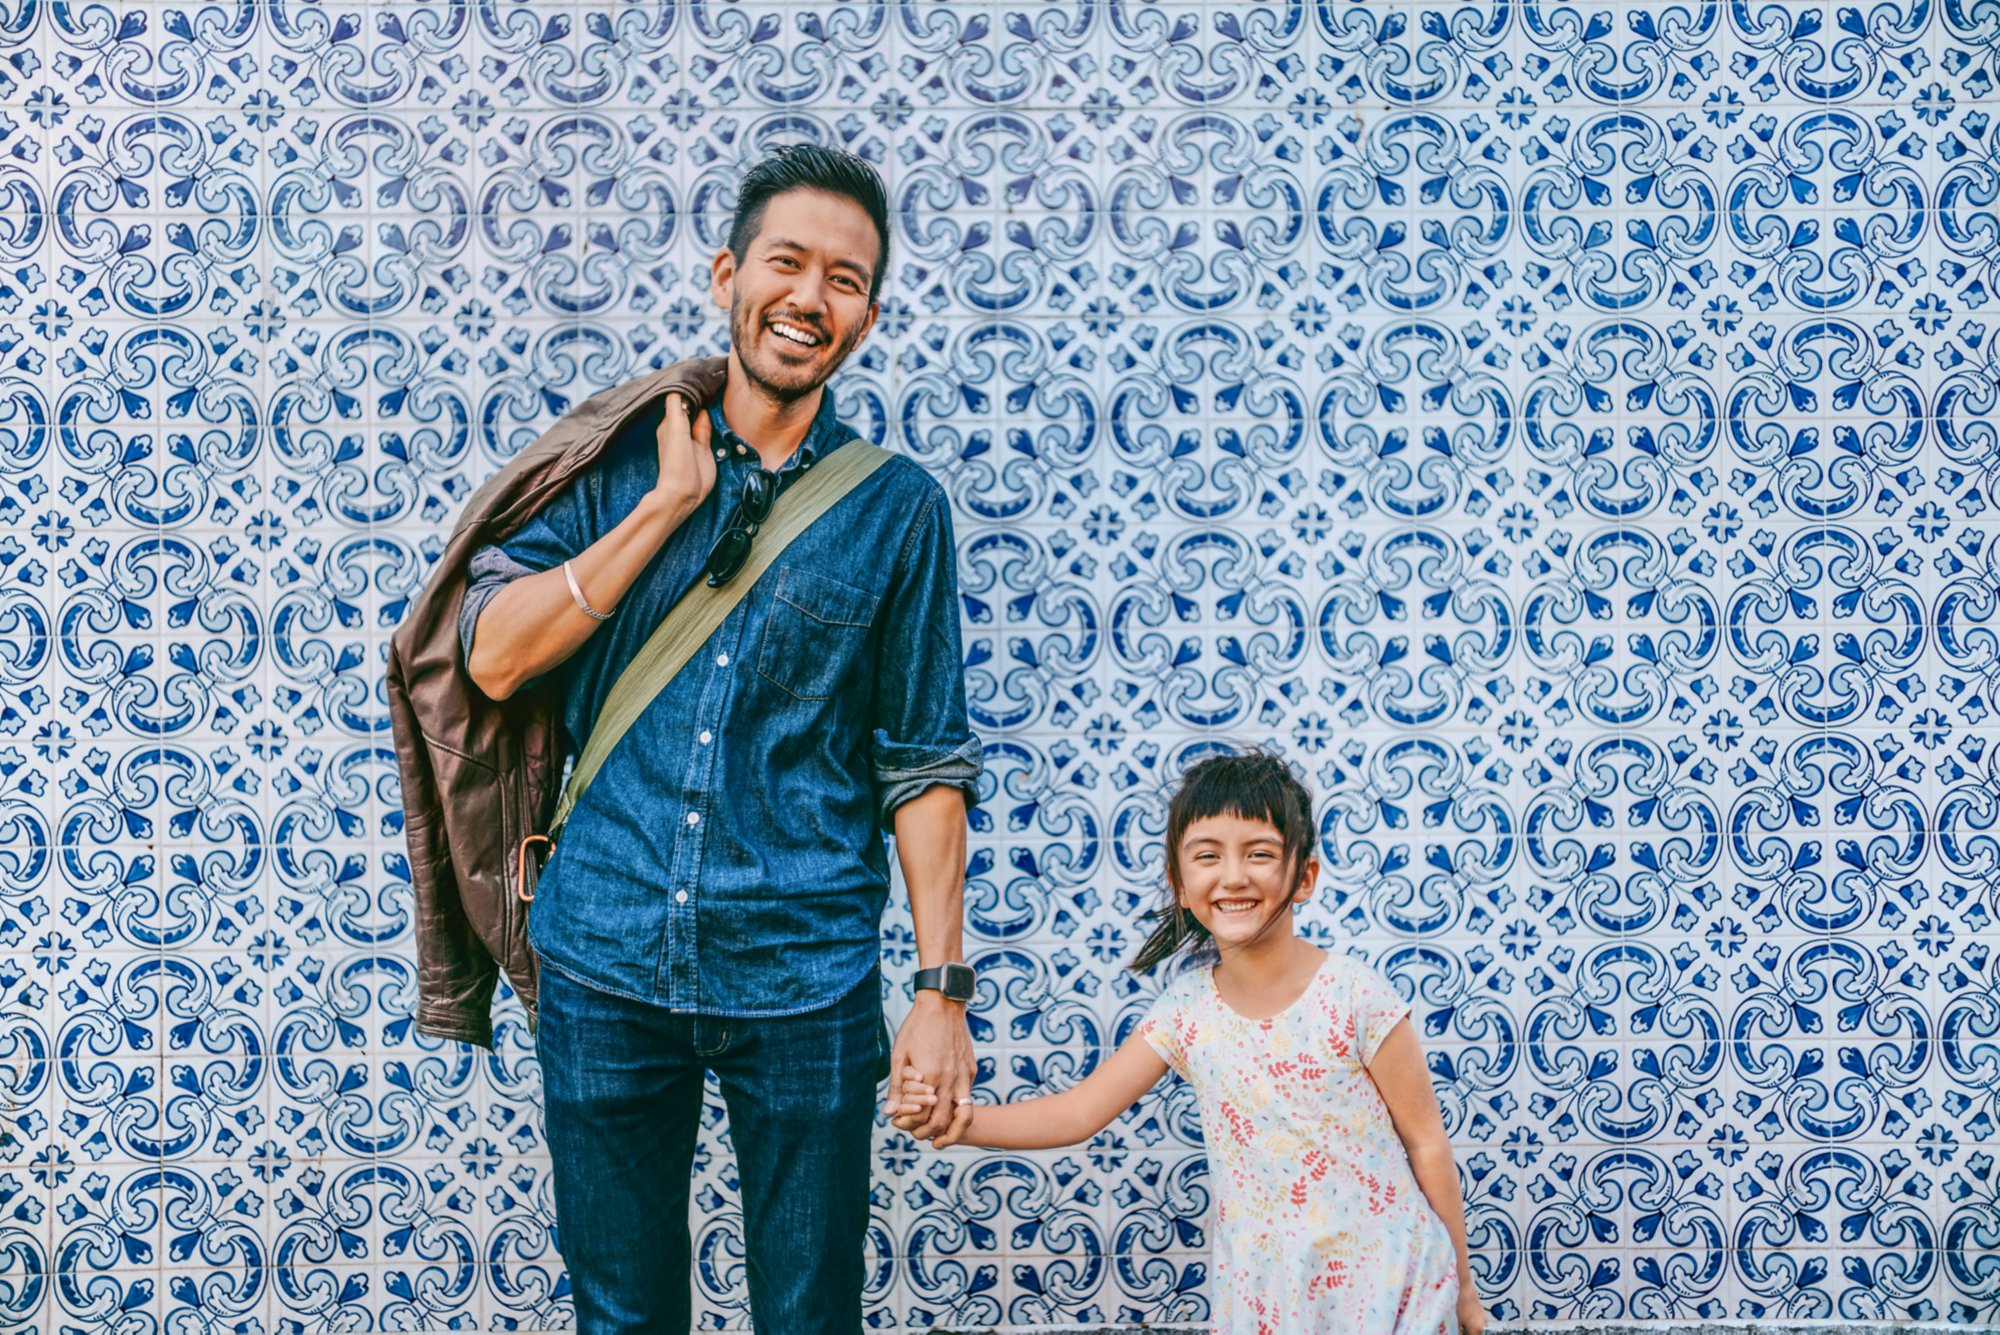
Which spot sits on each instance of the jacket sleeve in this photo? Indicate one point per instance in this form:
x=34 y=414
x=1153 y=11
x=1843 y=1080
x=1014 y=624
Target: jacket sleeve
x=455 y=973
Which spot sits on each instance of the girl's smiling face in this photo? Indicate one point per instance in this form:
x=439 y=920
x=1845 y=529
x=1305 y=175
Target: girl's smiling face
x=1230 y=873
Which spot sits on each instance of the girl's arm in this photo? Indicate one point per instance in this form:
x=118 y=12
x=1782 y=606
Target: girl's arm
x=1068 y=1118
x=1399 y=1072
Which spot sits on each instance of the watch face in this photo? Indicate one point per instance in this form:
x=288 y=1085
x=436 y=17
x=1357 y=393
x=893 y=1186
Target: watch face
x=957 y=982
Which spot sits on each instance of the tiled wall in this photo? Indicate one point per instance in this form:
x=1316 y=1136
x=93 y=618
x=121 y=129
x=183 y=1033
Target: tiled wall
x=1568 y=432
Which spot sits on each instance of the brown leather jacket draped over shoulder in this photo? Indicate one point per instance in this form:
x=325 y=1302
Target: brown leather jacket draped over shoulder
x=478 y=774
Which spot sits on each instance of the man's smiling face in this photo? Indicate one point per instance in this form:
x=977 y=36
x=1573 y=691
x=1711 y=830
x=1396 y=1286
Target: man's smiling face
x=798 y=298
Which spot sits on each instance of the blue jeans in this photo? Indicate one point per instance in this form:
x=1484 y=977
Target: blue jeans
x=622 y=1084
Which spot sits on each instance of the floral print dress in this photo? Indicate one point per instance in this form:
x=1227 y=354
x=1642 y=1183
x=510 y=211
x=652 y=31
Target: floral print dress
x=1319 y=1224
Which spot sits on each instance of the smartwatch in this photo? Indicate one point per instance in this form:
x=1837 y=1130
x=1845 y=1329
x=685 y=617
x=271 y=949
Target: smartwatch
x=954 y=981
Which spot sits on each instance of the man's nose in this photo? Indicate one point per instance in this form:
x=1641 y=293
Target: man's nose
x=809 y=292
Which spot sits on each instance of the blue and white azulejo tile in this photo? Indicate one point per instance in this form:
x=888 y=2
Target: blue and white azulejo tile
x=1566 y=433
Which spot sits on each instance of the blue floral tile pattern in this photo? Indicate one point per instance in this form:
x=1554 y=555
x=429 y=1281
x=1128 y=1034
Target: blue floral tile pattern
x=1568 y=433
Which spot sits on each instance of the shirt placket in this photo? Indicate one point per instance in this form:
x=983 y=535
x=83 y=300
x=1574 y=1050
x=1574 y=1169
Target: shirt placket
x=677 y=978
x=677 y=974
x=732 y=448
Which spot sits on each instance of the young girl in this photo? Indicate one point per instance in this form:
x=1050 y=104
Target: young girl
x=1337 y=1200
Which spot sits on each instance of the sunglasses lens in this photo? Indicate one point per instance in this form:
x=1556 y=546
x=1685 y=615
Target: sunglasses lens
x=732 y=549
x=728 y=554
x=760 y=493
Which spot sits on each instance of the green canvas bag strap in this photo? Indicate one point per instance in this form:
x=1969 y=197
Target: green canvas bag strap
x=702 y=610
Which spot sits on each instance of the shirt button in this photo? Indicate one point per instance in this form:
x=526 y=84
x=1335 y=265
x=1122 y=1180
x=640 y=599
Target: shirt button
x=680 y=896
x=722 y=660
x=694 y=818
x=722 y=454
x=706 y=736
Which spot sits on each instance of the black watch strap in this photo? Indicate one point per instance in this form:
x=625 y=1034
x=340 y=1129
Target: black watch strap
x=954 y=981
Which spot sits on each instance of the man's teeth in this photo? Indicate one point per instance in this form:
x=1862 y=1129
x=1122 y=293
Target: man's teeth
x=794 y=334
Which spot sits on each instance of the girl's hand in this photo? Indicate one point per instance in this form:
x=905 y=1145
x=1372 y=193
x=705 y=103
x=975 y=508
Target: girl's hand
x=913 y=1103
x=1471 y=1312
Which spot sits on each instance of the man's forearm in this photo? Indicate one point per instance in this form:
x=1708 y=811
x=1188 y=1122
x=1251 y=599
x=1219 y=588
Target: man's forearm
x=534 y=625
x=930 y=844
x=934 y=1039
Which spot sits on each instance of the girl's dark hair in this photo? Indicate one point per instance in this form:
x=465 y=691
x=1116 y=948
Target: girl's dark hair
x=811 y=167
x=1253 y=785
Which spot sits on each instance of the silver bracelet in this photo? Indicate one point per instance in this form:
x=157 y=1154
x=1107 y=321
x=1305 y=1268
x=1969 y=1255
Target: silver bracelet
x=576 y=592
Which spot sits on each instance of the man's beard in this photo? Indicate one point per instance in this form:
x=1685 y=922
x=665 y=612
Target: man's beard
x=781 y=382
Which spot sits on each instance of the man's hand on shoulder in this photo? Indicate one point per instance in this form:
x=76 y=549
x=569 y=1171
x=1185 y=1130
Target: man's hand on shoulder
x=687 y=459
x=934 y=1040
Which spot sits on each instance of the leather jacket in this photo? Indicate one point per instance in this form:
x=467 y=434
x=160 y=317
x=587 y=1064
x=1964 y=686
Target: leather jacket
x=479 y=775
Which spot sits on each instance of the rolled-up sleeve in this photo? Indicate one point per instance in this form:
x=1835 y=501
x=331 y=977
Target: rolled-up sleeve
x=491 y=570
x=553 y=535
x=922 y=737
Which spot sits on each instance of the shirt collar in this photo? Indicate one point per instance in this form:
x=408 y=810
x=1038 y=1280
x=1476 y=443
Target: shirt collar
x=822 y=435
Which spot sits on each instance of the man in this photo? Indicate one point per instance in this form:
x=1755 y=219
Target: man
x=714 y=902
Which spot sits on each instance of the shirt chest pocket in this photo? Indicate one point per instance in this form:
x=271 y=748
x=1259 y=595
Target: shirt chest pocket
x=815 y=633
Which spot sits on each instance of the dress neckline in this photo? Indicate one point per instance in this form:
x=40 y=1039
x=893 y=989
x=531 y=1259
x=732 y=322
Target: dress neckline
x=1291 y=1006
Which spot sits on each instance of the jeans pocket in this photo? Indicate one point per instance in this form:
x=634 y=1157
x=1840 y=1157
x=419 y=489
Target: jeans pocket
x=884 y=1047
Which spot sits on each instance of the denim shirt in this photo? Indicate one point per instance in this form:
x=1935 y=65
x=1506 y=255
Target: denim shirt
x=729 y=857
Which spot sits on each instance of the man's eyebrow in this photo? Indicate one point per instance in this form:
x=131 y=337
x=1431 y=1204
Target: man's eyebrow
x=786 y=243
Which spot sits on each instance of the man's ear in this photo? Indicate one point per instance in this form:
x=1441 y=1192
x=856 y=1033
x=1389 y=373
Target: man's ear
x=722 y=279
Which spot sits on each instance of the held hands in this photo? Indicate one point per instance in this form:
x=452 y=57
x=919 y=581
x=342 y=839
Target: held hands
x=934 y=1045
x=918 y=1102
x=910 y=1108
x=687 y=460
x=1471 y=1312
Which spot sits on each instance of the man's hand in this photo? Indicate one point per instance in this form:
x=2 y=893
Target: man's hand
x=533 y=625
x=687 y=461
x=935 y=1041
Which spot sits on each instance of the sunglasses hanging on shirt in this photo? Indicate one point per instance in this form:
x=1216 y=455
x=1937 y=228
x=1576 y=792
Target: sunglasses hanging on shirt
x=753 y=507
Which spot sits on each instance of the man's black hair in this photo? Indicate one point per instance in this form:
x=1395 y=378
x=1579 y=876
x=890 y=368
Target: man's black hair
x=811 y=167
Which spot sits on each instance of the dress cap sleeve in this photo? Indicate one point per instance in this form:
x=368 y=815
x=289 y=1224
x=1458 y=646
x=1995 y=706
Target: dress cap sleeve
x=1168 y=1023
x=1376 y=1008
